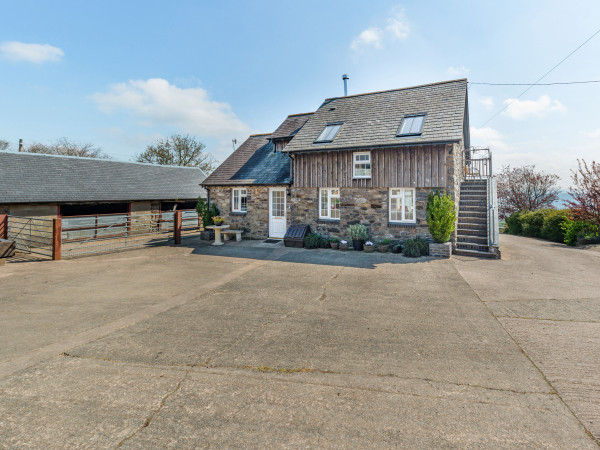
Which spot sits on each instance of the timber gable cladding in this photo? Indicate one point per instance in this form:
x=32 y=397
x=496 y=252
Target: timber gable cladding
x=407 y=166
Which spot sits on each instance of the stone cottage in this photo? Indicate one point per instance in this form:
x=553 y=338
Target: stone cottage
x=368 y=158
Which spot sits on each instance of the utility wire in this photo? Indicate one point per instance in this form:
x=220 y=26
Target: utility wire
x=537 y=84
x=542 y=77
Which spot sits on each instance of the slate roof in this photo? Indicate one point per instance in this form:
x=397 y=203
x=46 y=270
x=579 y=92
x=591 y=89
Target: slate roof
x=291 y=125
x=372 y=120
x=255 y=162
x=36 y=178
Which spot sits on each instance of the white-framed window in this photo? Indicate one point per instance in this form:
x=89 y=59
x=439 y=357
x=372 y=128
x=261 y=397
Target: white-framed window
x=362 y=165
x=402 y=205
x=238 y=200
x=329 y=203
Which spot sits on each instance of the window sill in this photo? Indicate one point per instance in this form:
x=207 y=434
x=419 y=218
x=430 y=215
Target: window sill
x=328 y=220
x=237 y=213
x=402 y=225
x=361 y=178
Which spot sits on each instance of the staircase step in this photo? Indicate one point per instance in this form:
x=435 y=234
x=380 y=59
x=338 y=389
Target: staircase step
x=472 y=239
x=472 y=246
x=468 y=226
x=472 y=207
x=475 y=253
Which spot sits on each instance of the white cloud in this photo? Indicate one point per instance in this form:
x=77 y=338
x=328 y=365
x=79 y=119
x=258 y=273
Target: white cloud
x=487 y=137
x=592 y=134
x=156 y=102
x=397 y=25
x=397 y=28
x=488 y=102
x=33 y=53
x=369 y=37
x=458 y=71
x=522 y=109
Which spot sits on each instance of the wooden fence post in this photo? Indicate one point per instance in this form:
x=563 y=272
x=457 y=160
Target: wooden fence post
x=177 y=227
x=56 y=239
x=3 y=226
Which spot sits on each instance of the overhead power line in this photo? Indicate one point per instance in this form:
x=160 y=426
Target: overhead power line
x=542 y=77
x=537 y=84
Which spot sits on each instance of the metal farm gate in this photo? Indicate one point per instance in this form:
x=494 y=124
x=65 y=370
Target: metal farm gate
x=75 y=236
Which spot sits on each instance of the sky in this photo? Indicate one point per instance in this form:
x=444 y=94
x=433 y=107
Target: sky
x=122 y=74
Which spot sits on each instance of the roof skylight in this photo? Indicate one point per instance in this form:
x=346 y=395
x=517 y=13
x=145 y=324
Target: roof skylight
x=411 y=125
x=329 y=132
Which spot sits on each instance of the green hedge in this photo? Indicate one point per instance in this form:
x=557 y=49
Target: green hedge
x=550 y=224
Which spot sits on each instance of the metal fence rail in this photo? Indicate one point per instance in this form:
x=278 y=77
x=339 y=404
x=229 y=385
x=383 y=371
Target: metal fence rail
x=85 y=235
x=31 y=235
x=477 y=163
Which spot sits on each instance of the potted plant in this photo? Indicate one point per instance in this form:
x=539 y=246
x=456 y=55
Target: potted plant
x=384 y=245
x=334 y=243
x=343 y=245
x=218 y=220
x=206 y=213
x=369 y=247
x=312 y=240
x=397 y=248
x=441 y=219
x=359 y=235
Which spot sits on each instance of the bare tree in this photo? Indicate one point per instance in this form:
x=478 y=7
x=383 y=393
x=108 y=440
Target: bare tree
x=179 y=150
x=65 y=147
x=3 y=145
x=585 y=191
x=524 y=189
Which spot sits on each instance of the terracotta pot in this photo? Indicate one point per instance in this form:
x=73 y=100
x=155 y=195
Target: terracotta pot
x=334 y=245
x=383 y=248
x=343 y=247
x=369 y=248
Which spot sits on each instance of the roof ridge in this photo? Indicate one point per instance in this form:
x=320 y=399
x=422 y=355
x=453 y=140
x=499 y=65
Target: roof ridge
x=260 y=134
x=90 y=158
x=301 y=114
x=398 y=89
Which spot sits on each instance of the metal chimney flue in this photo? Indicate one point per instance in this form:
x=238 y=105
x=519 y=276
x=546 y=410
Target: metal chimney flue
x=20 y=145
x=345 y=78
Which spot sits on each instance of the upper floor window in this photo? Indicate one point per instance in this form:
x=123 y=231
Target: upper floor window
x=402 y=205
x=362 y=165
x=411 y=125
x=238 y=200
x=329 y=203
x=329 y=132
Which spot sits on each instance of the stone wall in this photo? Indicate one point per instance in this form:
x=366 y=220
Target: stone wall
x=369 y=206
x=255 y=222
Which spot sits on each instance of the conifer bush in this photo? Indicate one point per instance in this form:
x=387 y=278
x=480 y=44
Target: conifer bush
x=441 y=216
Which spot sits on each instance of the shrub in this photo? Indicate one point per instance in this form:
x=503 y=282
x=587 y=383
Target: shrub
x=513 y=223
x=358 y=232
x=334 y=240
x=533 y=221
x=574 y=228
x=552 y=228
x=414 y=248
x=385 y=242
x=206 y=213
x=313 y=240
x=441 y=216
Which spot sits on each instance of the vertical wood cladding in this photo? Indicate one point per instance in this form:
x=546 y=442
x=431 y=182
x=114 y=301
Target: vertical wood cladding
x=416 y=166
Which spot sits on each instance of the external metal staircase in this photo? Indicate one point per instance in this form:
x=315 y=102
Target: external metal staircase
x=477 y=230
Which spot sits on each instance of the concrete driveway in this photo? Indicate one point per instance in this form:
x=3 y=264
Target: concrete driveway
x=258 y=345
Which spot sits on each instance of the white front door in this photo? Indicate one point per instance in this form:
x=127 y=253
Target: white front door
x=277 y=222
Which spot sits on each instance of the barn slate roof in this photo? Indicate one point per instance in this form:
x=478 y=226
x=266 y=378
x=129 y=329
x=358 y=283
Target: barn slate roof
x=255 y=161
x=372 y=120
x=37 y=178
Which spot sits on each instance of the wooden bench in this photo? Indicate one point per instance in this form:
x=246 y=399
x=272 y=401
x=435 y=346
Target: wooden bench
x=238 y=234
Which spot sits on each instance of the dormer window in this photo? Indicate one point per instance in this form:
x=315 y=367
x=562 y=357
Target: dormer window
x=412 y=125
x=329 y=132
